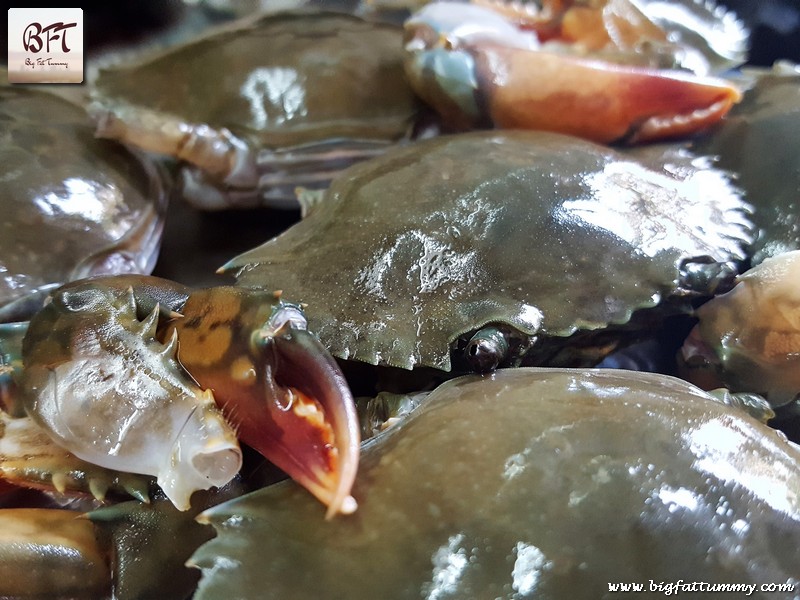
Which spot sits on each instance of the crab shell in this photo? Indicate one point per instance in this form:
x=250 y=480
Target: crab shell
x=73 y=205
x=758 y=141
x=531 y=483
x=543 y=233
x=263 y=104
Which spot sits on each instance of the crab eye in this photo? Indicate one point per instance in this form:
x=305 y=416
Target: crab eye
x=486 y=350
x=707 y=276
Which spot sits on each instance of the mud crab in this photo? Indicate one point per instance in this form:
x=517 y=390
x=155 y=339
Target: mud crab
x=612 y=71
x=743 y=340
x=558 y=482
x=542 y=252
x=263 y=105
x=111 y=405
x=73 y=205
x=118 y=377
x=747 y=339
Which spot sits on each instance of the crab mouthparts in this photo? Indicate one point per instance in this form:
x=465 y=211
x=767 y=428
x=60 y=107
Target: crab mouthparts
x=302 y=418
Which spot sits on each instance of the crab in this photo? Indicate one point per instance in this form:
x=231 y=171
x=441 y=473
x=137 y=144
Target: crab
x=263 y=105
x=548 y=250
x=748 y=340
x=111 y=409
x=754 y=148
x=124 y=550
x=117 y=377
x=136 y=349
x=755 y=145
x=73 y=205
x=612 y=71
x=556 y=482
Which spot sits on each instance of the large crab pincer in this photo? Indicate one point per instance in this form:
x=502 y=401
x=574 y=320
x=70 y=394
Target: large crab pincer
x=125 y=371
x=595 y=71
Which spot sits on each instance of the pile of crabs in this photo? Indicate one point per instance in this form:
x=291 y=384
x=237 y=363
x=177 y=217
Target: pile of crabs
x=536 y=333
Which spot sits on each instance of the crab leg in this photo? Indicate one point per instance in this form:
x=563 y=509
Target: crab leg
x=277 y=384
x=215 y=151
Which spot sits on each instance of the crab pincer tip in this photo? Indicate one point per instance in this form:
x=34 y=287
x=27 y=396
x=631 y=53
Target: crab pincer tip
x=301 y=415
x=326 y=421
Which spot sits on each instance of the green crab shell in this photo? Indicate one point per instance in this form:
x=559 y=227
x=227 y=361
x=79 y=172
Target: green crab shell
x=72 y=205
x=283 y=79
x=531 y=483
x=759 y=142
x=263 y=105
x=543 y=232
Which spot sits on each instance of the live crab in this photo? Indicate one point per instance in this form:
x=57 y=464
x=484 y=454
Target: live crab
x=139 y=299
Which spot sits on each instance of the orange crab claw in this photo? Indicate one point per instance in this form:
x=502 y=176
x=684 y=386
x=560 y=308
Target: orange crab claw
x=317 y=419
x=597 y=100
x=310 y=428
x=478 y=67
x=277 y=385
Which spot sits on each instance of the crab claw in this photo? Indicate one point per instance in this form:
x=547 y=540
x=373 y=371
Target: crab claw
x=278 y=386
x=476 y=69
x=601 y=101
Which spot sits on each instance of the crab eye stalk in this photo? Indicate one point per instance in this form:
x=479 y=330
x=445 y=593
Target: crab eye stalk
x=278 y=385
x=706 y=276
x=486 y=350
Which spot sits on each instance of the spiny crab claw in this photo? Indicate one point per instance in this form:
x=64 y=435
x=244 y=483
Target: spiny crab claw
x=477 y=68
x=281 y=389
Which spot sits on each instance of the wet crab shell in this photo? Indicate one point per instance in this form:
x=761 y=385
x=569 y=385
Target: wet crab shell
x=759 y=142
x=73 y=206
x=263 y=104
x=544 y=233
x=531 y=483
